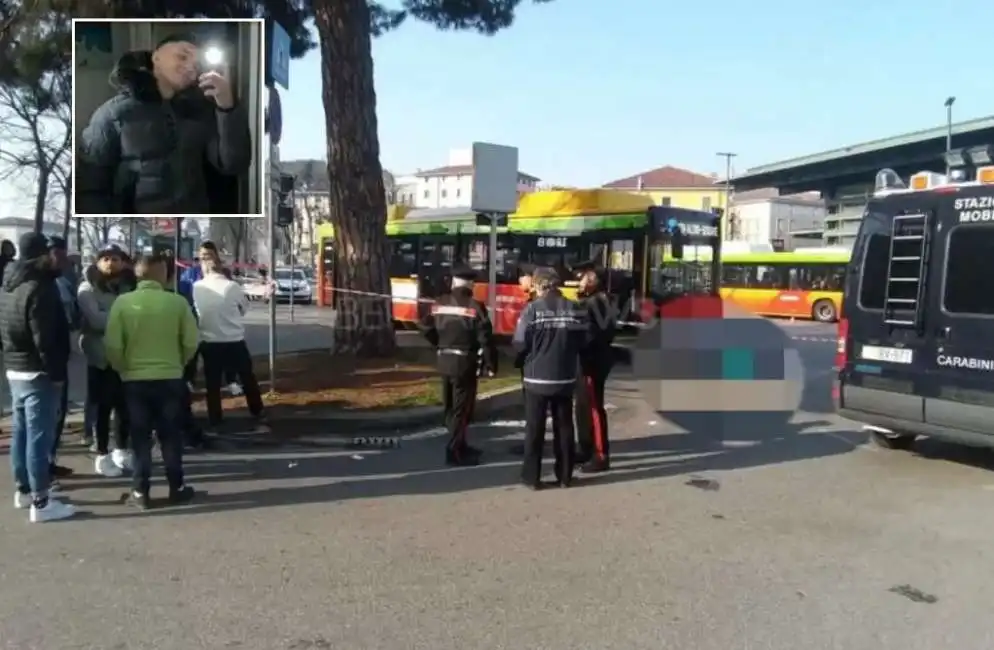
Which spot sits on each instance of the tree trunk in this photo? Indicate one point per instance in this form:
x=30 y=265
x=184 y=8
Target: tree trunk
x=41 y=198
x=67 y=216
x=363 y=313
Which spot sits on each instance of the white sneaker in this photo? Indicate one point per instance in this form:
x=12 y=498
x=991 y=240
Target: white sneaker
x=122 y=459
x=104 y=466
x=22 y=500
x=235 y=389
x=53 y=511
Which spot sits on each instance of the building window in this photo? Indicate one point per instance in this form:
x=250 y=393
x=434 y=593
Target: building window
x=427 y=193
x=458 y=193
x=665 y=201
x=706 y=203
x=445 y=193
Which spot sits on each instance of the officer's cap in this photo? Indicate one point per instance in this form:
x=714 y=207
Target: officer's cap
x=583 y=267
x=464 y=272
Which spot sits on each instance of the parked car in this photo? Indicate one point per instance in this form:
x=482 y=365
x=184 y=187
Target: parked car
x=291 y=282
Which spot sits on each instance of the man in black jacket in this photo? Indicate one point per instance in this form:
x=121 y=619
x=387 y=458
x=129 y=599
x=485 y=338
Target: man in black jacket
x=595 y=365
x=150 y=149
x=551 y=333
x=458 y=327
x=35 y=335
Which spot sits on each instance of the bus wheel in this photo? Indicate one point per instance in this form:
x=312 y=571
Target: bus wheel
x=823 y=311
x=896 y=441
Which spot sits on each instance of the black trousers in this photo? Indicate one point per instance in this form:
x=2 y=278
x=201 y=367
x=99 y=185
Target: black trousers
x=233 y=358
x=190 y=370
x=458 y=400
x=591 y=418
x=104 y=390
x=564 y=446
x=156 y=405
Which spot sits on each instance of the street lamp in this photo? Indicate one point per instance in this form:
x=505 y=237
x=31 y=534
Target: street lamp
x=949 y=129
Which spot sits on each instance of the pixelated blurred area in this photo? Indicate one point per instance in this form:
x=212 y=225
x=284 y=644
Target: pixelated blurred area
x=721 y=378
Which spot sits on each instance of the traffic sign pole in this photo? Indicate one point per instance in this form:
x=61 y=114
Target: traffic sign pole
x=279 y=74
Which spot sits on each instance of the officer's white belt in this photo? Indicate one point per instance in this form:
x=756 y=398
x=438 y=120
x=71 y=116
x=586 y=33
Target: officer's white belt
x=461 y=353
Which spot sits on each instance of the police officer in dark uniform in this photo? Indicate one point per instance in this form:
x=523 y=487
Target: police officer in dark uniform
x=525 y=271
x=459 y=327
x=551 y=333
x=595 y=365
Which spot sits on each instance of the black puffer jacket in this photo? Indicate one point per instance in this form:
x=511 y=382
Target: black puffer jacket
x=33 y=325
x=143 y=155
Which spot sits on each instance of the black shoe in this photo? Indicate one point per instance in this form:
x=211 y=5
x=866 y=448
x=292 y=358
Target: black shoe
x=181 y=495
x=472 y=451
x=139 y=500
x=461 y=459
x=595 y=466
x=59 y=471
x=580 y=459
x=535 y=487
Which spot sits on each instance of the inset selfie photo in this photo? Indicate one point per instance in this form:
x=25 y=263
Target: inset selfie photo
x=168 y=117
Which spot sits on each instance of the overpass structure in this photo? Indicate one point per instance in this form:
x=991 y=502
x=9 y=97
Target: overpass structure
x=845 y=176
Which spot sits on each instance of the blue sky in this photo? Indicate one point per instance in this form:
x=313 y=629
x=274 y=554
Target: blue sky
x=592 y=90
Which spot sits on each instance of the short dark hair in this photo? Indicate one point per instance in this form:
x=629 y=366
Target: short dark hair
x=208 y=245
x=147 y=262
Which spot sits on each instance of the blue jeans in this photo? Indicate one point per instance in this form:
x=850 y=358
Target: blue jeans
x=35 y=405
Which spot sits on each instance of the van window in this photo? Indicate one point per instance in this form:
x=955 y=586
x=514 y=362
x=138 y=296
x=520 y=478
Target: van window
x=873 y=281
x=969 y=283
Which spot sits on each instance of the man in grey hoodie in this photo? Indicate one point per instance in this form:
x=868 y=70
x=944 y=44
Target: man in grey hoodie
x=105 y=281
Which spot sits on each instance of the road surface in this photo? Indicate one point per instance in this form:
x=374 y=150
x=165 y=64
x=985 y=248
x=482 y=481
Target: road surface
x=801 y=538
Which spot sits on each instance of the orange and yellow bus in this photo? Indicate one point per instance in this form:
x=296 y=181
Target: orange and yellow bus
x=805 y=284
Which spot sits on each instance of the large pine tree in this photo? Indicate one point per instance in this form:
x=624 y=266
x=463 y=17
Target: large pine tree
x=345 y=30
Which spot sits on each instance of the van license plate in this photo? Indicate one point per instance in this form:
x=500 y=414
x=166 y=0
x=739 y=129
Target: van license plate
x=891 y=355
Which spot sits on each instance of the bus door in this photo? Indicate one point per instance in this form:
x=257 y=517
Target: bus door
x=435 y=259
x=619 y=253
x=404 y=277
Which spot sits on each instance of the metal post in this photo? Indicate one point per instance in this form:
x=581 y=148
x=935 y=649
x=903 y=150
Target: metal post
x=131 y=236
x=727 y=155
x=273 y=189
x=949 y=129
x=177 y=242
x=492 y=276
x=293 y=265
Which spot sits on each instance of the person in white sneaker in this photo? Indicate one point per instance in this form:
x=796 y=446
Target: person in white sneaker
x=96 y=296
x=34 y=333
x=220 y=304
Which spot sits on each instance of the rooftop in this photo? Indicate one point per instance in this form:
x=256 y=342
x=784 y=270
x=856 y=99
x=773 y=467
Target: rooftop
x=463 y=170
x=666 y=177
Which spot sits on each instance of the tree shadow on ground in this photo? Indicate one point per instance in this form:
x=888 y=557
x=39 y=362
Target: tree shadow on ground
x=419 y=469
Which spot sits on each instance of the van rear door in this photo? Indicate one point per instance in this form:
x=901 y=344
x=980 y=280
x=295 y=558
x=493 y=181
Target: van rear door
x=888 y=348
x=960 y=390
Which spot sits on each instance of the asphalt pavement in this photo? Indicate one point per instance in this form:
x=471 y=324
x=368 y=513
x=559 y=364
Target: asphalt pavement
x=800 y=537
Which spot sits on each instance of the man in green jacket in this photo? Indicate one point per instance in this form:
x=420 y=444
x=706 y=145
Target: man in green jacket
x=151 y=335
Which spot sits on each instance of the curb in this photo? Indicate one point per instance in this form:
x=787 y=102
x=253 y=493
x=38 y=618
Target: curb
x=400 y=421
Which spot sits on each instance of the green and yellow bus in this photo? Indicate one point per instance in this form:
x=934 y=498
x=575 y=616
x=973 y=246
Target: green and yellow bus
x=562 y=228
